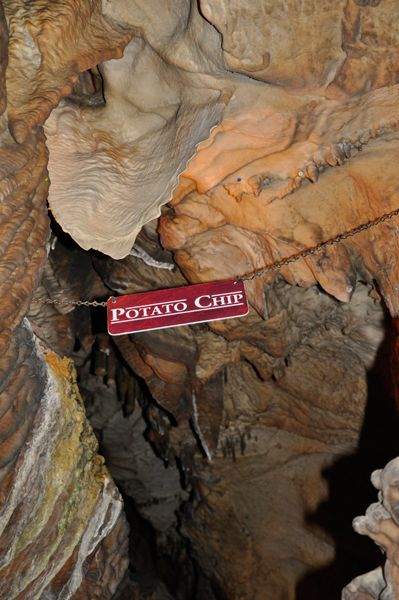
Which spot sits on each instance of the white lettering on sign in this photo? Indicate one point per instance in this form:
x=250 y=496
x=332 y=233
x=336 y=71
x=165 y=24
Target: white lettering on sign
x=147 y=312
x=180 y=306
x=218 y=300
x=205 y=302
x=198 y=303
x=117 y=312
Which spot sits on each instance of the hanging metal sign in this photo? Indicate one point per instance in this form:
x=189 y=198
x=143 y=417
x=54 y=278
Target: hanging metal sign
x=176 y=306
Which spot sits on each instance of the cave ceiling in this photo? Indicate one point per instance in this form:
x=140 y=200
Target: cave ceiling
x=278 y=121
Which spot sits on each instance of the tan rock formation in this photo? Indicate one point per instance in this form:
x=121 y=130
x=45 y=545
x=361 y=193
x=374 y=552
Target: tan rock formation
x=61 y=519
x=63 y=533
x=128 y=167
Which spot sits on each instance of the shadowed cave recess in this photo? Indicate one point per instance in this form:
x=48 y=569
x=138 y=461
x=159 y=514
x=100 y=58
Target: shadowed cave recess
x=152 y=144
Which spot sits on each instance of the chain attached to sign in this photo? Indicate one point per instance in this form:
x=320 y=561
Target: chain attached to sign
x=71 y=302
x=305 y=253
x=196 y=303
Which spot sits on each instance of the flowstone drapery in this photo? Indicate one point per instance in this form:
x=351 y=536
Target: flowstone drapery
x=62 y=529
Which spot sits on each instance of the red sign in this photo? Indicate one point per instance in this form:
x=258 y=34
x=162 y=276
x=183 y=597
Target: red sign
x=176 y=306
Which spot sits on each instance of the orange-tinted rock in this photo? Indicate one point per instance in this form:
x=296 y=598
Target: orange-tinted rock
x=256 y=233
x=64 y=39
x=3 y=60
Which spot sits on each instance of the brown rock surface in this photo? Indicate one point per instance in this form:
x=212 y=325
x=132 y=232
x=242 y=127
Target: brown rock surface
x=50 y=43
x=63 y=533
x=294 y=394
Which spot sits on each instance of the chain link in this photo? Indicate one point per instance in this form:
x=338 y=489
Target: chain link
x=74 y=303
x=336 y=240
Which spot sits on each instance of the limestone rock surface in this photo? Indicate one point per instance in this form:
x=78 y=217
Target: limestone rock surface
x=289 y=114
x=278 y=403
x=61 y=516
x=63 y=533
x=325 y=104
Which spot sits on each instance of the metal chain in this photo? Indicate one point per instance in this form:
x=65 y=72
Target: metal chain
x=77 y=303
x=336 y=240
x=274 y=267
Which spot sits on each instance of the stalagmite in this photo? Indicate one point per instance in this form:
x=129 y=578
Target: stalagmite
x=381 y=523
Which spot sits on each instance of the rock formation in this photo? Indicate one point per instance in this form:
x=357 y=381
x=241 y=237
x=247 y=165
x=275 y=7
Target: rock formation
x=193 y=142
x=381 y=524
x=62 y=529
x=270 y=438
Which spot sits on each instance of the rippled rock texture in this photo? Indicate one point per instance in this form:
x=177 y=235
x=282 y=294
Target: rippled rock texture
x=62 y=530
x=61 y=518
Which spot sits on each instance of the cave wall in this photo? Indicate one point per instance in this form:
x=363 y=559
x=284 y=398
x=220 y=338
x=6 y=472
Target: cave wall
x=63 y=532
